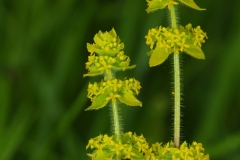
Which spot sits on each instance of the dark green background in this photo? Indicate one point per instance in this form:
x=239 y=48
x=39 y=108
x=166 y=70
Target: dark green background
x=43 y=92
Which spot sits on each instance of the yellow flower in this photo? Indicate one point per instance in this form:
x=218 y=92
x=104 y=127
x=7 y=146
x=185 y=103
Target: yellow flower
x=117 y=148
x=129 y=153
x=149 y=155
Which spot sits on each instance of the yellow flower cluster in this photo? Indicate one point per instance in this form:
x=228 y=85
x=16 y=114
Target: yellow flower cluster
x=175 y=40
x=136 y=147
x=185 y=152
x=113 y=86
x=105 y=43
x=164 y=41
x=131 y=146
x=199 y=35
x=98 y=65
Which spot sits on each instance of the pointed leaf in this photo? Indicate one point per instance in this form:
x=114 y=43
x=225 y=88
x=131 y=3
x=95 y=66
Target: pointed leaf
x=156 y=4
x=113 y=33
x=109 y=36
x=99 y=102
x=129 y=99
x=158 y=56
x=93 y=73
x=105 y=154
x=137 y=155
x=98 y=40
x=195 y=51
x=90 y=48
x=191 y=4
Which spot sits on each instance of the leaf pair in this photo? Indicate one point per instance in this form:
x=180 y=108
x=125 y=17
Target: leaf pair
x=114 y=89
x=154 y=5
x=124 y=97
x=159 y=54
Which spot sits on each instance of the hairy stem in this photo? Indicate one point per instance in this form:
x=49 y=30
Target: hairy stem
x=177 y=98
x=173 y=17
x=116 y=123
x=115 y=114
x=177 y=90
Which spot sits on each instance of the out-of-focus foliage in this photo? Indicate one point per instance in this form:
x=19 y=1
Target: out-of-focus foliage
x=43 y=93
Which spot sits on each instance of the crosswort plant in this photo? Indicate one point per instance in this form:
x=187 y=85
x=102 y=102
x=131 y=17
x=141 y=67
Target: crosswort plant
x=107 y=57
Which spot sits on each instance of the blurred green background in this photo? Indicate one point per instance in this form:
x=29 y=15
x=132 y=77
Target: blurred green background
x=43 y=92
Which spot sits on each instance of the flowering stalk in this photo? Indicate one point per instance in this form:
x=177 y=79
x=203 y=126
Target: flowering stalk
x=176 y=39
x=107 y=57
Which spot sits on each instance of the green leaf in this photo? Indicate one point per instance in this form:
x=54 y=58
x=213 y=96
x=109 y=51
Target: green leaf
x=191 y=4
x=99 y=41
x=156 y=4
x=194 y=51
x=104 y=154
x=99 y=102
x=90 y=48
x=113 y=33
x=93 y=73
x=158 y=56
x=129 y=99
x=137 y=155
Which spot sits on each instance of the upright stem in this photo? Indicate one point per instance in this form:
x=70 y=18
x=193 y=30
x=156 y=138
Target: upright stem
x=177 y=98
x=177 y=90
x=116 y=124
x=173 y=17
x=115 y=115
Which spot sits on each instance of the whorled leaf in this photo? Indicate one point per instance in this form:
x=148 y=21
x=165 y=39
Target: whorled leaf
x=104 y=155
x=194 y=50
x=154 y=5
x=158 y=56
x=93 y=73
x=99 y=102
x=129 y=99
x=191 y=4
x=100 y=42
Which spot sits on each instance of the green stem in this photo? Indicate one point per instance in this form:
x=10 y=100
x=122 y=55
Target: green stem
x=173 y=17
x=177 y=98
x=115 y=115
x=116 y=124
x=177 y=89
